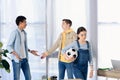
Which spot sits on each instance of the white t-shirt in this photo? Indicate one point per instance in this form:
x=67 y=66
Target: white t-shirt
x=23 y=52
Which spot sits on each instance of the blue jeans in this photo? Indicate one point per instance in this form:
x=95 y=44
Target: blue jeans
x=23 y=64
x=65 y=66
x=80 y=72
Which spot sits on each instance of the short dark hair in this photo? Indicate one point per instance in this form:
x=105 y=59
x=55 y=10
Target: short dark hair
x=20 y=19
x=68 y=21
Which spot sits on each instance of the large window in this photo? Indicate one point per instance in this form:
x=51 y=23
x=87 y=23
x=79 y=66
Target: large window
x=74 y=10
x=69 y=9
x=108 y=32
x=34 y=11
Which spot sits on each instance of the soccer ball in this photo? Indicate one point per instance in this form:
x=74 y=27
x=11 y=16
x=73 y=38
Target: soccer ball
x=71 y=55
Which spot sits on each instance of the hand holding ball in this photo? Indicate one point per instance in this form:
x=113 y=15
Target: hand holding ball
x=71 y=55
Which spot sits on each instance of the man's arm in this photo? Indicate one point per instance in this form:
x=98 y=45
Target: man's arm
x=11 y=44
x=53 y=48
x=34 y=52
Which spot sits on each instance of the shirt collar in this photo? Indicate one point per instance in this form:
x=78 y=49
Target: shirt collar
x=20 y=30
x=67 y=31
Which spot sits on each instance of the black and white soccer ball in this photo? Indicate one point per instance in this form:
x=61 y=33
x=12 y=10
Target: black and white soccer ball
x=71 y=54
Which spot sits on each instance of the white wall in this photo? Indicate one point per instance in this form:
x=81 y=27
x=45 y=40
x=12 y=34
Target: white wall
x=92 y=30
